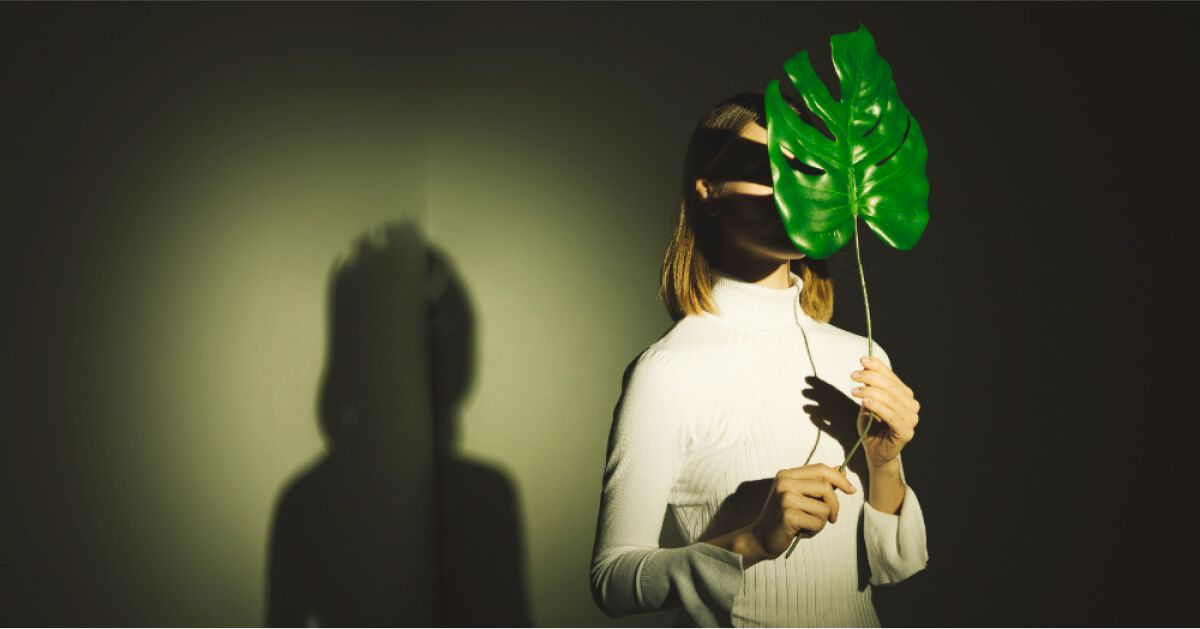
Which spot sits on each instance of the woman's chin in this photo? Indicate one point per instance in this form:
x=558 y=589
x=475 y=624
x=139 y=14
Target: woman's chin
x=783 y=252
x=784 y=245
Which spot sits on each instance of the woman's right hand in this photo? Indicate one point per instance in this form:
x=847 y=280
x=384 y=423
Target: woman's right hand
x=801 y=501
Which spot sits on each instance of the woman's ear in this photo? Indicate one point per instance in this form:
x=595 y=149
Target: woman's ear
x=704 y=192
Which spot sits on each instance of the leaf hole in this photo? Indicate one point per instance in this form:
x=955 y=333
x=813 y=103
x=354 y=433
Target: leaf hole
x=907 y=127
x=796 y=101
x=807 y=169
x=875 y=125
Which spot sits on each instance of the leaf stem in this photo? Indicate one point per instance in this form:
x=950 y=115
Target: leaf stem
x=862 y=279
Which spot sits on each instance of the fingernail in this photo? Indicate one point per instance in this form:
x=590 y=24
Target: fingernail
x=866 y=360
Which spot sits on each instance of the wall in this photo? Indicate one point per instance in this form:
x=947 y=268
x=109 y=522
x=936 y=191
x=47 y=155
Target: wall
x=227 y=222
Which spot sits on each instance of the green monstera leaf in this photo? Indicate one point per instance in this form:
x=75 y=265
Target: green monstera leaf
x=874 y=166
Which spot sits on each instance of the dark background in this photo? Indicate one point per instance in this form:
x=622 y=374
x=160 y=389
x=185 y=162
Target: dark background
x=1045 y=319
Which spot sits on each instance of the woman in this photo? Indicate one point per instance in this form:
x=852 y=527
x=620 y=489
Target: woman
x=717 y=428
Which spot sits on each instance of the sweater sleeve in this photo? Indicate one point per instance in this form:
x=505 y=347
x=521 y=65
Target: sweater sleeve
x=896 y=547
x=630 y=573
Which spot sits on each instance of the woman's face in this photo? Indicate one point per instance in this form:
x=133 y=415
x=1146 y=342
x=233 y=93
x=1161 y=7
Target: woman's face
x=745 y=202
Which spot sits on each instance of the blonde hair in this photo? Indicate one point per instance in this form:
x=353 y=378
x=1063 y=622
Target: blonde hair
x=686 y=278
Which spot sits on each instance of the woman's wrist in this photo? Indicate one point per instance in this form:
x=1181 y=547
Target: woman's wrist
x=889 y=468
x=887 y=488
x=746 y=544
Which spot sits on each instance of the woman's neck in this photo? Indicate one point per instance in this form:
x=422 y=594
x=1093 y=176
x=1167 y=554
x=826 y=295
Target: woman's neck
x=766 y=273
x=754 y=306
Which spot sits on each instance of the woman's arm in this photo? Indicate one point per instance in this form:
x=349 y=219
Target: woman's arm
x=896 y=545
x=630 y=573
x=894 y=527
x=743 y=542
x=887 y=489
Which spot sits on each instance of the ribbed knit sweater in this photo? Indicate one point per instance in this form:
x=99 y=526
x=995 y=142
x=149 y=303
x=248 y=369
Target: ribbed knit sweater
x=710 y=408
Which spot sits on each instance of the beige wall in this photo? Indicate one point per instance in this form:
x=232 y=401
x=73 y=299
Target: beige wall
x=545 y=215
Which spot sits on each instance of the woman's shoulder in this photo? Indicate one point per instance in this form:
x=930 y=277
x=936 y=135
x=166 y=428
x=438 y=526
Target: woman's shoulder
x=695 y=335
x=692 y=338
x=674 y=371
x=843 y=341
x=699 y=343
x=680 y=353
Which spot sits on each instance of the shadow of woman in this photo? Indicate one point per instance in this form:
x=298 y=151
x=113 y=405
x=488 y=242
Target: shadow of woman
x=482 y=547
x=389 y=527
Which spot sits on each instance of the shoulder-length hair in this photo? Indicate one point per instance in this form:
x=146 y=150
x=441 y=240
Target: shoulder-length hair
x=686 y=280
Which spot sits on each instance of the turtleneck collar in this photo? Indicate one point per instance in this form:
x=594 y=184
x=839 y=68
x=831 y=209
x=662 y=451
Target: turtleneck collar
x=761 y=307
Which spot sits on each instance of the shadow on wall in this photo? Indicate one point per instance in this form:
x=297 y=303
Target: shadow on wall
x=390 y=527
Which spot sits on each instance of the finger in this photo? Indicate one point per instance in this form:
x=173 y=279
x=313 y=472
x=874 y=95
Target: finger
x=818 y=471
x=822 y=509
x=801 y=521
x=888 y=415
x=817 y=488
x=882 y=411
x=810 y=489
x=876 y=363
x=903 y=413
x=901 y=393
x=835 y=477
x=873 y=364
x=792 y=500
x=817 y=508
x=813 y=489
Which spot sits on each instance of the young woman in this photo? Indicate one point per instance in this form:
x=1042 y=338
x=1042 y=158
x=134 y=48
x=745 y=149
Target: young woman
x=734 y=423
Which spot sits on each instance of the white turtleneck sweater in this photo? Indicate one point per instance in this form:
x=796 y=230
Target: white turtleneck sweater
x=714 y=405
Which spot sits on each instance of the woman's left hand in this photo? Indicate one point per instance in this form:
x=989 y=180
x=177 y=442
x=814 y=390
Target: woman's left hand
x=891 y=401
